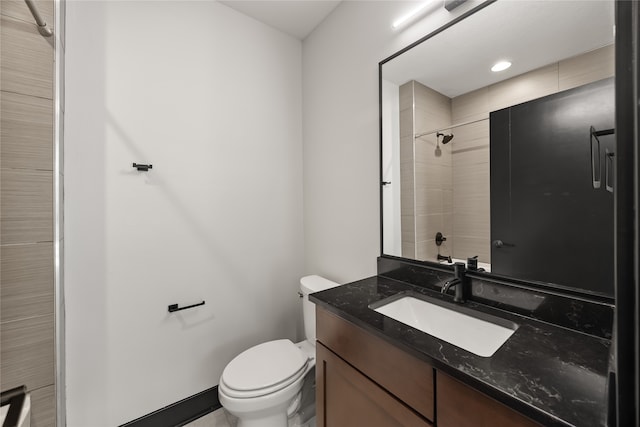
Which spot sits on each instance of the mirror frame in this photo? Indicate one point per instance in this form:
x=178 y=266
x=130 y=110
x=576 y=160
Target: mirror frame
x=488 y=276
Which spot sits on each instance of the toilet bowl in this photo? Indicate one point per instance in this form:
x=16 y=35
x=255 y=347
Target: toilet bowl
x=261 y=386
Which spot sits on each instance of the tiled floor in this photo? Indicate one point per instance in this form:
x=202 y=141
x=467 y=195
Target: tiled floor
x=222 y=418
x=219 y=418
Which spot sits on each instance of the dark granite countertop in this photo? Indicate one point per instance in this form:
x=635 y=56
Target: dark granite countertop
x=555 y=375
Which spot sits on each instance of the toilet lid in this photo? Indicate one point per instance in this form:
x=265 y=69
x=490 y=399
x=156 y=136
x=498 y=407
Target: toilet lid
x=264 y=366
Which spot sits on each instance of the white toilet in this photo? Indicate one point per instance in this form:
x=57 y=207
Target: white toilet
x=261 y=386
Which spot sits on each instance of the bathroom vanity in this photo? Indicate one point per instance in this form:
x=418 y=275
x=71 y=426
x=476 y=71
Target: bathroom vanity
x=348 y=379
x=503 y=167
x=373 y=370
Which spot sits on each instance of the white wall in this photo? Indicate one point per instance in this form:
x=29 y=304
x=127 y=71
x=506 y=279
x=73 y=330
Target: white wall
x=391 y=200
x=213 y=100
x=341 y=141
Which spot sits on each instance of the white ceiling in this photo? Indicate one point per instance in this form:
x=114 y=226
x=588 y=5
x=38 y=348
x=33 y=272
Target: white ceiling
x=530 y=34
x=294 y=17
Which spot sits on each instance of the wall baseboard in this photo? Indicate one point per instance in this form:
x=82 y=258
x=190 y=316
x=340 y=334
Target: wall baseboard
x=182 y=412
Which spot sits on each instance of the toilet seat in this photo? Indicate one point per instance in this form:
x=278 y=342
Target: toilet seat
x=264 y=369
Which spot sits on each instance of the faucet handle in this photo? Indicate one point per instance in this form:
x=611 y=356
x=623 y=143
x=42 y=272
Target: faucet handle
x=459 y=269
x=459 y=281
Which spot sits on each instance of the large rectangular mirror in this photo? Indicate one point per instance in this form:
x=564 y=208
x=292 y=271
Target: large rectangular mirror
x=513 y=167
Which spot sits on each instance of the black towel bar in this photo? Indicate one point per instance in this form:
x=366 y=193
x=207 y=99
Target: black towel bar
x=174 y=307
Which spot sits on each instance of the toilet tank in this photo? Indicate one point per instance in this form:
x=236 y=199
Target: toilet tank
x=309 y=285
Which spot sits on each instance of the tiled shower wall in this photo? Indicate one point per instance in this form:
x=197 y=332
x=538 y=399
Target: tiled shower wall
x=471 y=201
x=425 y=168
x=407 y=167
x=27 y=295
x=450 y=193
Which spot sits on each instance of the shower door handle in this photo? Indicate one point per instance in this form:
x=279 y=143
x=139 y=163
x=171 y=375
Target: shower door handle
x=596 y=172
x=608 y=169
x=499 y=244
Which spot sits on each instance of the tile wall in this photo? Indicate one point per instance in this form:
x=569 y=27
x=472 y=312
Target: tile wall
x=27 y=296
x=450 y=192
x=425 y=169
x=471 y=219
x=407 y=179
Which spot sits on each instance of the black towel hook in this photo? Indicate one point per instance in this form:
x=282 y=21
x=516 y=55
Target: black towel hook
x=142 y=168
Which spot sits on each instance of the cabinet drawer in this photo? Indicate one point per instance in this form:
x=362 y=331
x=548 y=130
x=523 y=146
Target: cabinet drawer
x=404 y=376
x=348 y=398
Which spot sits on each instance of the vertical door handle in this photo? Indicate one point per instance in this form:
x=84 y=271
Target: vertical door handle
x=608 y=169
x=596 y=172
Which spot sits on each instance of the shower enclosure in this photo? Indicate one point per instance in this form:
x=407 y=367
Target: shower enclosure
x=552 y=188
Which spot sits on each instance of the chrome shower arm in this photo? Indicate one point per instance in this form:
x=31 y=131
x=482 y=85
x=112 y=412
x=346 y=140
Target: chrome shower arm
x=43 y=29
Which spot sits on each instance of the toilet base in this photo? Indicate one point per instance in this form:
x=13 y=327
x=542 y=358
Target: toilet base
x=275 y=420
x=265 y=411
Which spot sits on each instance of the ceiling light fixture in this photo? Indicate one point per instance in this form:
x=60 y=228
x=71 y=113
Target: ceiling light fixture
x=406 y=18
x=500 y=66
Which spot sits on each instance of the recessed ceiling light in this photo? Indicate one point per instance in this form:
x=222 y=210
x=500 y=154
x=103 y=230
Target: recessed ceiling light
x=400 y=21
x=500 y=66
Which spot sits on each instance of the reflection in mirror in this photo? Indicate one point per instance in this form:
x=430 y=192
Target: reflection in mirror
x=446 y=180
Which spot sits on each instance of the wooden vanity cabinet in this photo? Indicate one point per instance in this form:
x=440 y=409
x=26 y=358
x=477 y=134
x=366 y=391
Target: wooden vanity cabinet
x=461 y=406
x=400 y=384
x=362 y=380
x=349 y=398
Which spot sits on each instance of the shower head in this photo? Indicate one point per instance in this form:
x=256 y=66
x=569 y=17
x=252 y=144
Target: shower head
x=445 y=138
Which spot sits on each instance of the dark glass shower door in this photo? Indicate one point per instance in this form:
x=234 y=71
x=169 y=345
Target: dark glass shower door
x=548 y=222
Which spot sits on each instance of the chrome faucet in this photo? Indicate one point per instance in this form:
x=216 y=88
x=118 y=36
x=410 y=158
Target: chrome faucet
x=460 y=282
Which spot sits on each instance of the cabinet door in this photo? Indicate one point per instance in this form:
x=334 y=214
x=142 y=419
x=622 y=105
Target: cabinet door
x=410 y=380
x=346 y=398
x=459 y=405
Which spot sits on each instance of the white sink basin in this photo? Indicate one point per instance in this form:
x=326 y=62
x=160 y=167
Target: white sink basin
x=478 y=336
